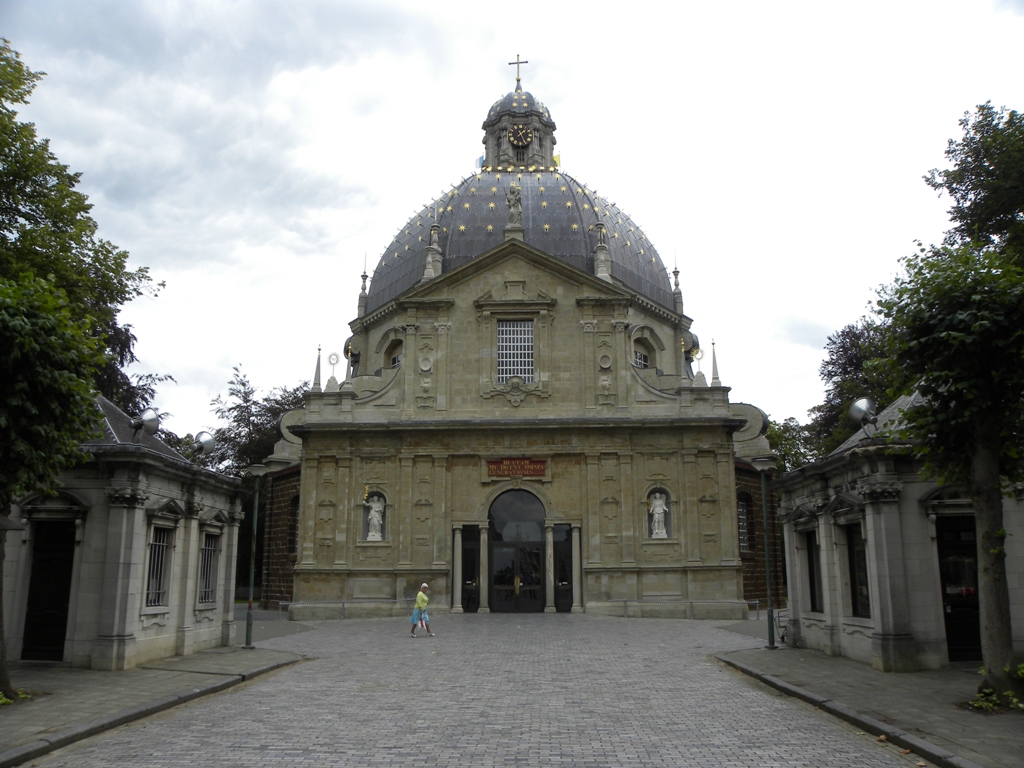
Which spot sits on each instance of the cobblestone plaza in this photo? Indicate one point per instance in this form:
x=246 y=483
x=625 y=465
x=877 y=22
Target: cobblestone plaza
x=497 y=690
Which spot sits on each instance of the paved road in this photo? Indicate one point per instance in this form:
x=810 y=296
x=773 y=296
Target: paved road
x=497 y=690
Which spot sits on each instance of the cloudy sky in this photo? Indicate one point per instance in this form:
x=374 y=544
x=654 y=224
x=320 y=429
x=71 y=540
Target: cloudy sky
x=252 y=154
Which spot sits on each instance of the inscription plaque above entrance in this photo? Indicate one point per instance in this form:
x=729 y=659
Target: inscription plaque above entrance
x=517 y=468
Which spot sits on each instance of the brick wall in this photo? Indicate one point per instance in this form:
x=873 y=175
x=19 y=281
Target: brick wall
x=748 y=488
x=280 y=536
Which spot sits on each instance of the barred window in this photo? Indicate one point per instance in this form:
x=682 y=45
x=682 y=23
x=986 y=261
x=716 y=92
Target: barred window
x=207 y=571
x=156 y=586
x=745 y=527
x=640 y=360
x=515 y=350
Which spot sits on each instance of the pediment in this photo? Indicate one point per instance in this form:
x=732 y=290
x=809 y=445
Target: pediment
x=519 y=260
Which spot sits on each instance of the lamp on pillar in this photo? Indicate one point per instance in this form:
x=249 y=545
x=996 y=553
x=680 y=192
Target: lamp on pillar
x=764 y=465
x=257 y=471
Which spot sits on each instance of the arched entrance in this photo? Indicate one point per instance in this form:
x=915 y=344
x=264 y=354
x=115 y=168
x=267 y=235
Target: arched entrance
x=516 y=521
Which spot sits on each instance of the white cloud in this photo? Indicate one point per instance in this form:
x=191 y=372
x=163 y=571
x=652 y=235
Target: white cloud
x=251 y=152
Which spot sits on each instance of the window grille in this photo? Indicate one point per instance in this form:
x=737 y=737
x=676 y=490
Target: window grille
x=156 y=589
x=814 y=572
x=396 y=361
x=858 y=565
x=640 y=360
x=515 y=350
x=207 y=577
x=743 y=510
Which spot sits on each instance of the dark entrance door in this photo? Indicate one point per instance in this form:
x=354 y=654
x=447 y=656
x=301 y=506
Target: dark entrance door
x=517 y=553
x=49 y=591
x=958 y=569
x=518 y=578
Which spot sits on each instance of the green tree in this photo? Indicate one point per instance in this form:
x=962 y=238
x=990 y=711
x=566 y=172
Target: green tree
x=47 y=405
x=46 y=232
x=986 y=181
x=789 y=441
x=957 y=335
x=850 y=371
x=249 y=429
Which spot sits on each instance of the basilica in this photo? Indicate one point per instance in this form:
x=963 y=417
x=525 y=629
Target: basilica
x=519 y=423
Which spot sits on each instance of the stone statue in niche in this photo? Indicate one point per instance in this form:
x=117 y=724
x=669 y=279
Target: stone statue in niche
x=658 y=510
x=375 y=518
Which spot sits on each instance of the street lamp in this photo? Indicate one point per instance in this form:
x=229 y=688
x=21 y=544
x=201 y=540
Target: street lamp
x=763 y=465
x=257 y=471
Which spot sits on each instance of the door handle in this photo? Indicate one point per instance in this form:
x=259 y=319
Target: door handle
x=516 y=582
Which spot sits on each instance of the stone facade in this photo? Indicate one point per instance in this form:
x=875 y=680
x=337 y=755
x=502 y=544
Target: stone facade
x=882 y=562
x=133 y=560
x=519 y=424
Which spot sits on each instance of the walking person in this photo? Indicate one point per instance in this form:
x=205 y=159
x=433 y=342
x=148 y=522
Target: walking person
x=419 y=613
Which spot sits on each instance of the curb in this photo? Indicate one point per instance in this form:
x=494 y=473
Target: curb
x=15 y=756
x=938 y=755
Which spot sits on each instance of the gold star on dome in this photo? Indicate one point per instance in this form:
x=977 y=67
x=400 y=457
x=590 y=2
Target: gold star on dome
x=493 y=190
x=466 y=206
x=407 y=247
x=538 y=177
x=420 y=238
x=462 y=227
x=551 y=168
x=564 y=189
x=479 y=176
x=497 y=175
x=627 y=243
x=586 y=206
x=652 y=258
x=491 y=206
x=417 y=222
x=642 y=253
x=532 y=168
x=616 y=234
x=590 y=228
x=547 y=227
x=578 y=190
x=445 y=230
x=522 y=168
x=396 y=254
x=575 y=227
x=519 y=176
x=568 y=203
x=449 y=209
x=511 y=168
x=541 y=190
x=472 y=190
x=490 y=227
x=544 y=204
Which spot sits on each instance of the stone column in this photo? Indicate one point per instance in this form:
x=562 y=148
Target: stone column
x=485 y=566
x=893 y=647
x=124 y=579
x=457 y=571
x=549 y=568
x=191 y=539
x=577 y=571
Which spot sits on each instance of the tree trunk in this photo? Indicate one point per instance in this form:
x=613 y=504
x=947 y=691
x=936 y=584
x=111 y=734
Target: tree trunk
x=993 y=593
x=5 y=678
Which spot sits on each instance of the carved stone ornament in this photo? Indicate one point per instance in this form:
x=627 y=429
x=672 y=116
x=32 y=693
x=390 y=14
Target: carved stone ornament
x=516 y=390
x=126 y=497
x=194 y=508
x=879 y=490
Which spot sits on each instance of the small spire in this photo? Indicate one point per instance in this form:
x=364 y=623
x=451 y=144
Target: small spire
x=715 y=381
x=316 y=376
x=517 y=63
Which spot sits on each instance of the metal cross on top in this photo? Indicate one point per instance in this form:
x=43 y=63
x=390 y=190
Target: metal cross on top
x=517 y=62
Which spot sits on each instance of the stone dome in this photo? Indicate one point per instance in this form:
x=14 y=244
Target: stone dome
x=517 y=103
x=560 y=214
x=559 y=217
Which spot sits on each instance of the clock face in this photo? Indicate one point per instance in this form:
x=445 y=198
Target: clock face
x=520 y=135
